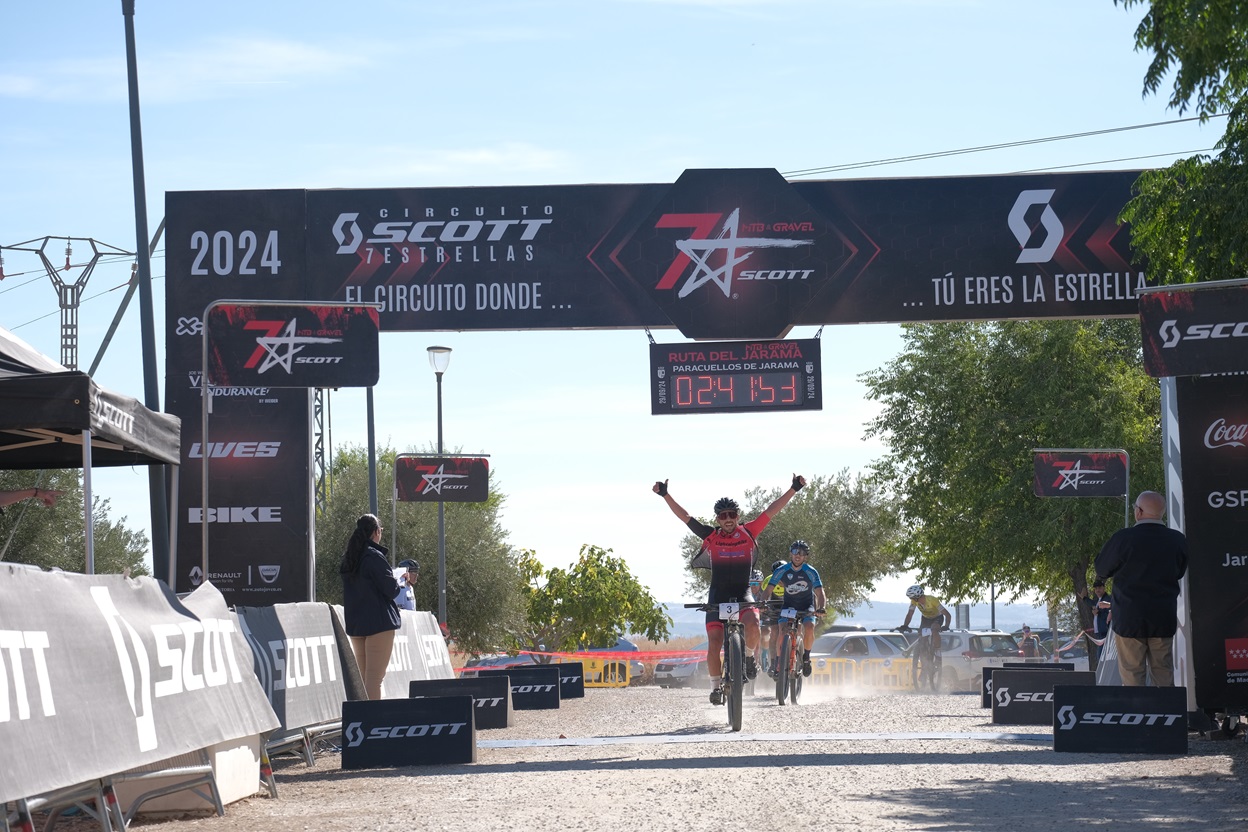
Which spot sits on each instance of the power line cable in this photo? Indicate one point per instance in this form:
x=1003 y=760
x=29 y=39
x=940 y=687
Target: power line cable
x=917 y=157
x=1116 y=161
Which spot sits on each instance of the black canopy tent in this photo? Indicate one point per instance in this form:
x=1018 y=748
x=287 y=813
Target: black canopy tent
x=52 y=417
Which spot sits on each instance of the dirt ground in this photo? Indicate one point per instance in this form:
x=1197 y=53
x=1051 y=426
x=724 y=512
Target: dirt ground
x=644 y=757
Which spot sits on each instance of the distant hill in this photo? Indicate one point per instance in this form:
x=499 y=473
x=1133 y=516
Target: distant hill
x=884 y=615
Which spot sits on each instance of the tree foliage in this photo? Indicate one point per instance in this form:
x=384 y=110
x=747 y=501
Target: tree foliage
x=1190 y=220
x=965 y=404
x=484 y=583
x=54 y=537
x=849 y=524
x=590 y=604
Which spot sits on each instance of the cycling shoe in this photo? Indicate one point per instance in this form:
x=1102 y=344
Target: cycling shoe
x=751 y=667
x=717 y=696
x=806 y=669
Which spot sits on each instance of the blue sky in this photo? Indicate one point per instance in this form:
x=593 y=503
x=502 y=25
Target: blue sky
x=390 y=93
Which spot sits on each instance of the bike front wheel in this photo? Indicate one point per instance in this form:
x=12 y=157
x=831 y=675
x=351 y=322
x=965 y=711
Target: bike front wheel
x=796 y=678
x=736 y=679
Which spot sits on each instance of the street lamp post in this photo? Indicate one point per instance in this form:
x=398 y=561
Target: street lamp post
x=439 y=360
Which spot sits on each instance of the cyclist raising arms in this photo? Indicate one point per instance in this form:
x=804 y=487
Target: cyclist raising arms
x=801 y=588
x=932 y=613
x=728 y=550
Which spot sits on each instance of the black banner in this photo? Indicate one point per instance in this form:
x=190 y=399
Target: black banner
x=1075 y=473
x=735 y=376
x=1120 y=720
x=1213 y=436
x=533 y=687
x=985 y=688
x=450 y=479
x=1025 y=697
x=388 y=733
x=1195 y=329
x=119 y=673
x=292 y=345
x=491 y=696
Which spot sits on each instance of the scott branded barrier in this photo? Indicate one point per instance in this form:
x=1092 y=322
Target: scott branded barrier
x=533 y=687
x=388 y=733
x=985 y=690
x=1025 y=697
x=1123 y=720
x=491 y=696
x=571 y=680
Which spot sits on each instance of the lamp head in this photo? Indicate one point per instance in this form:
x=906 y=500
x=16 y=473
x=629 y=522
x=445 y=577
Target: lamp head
x=439 y=359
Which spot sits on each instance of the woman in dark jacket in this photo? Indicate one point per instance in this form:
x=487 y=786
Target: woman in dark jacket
x=368 y=590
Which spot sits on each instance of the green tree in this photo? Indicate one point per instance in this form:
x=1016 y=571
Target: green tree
x=849 y=523
x=589 y=604
x=1190 y=220
x=484 y=585
x=964 y=405
x=55 y=537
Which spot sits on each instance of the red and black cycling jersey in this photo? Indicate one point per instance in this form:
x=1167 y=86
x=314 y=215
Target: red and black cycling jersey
x=730 y=557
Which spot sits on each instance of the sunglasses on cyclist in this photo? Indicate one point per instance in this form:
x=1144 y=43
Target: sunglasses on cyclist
x=727 y=515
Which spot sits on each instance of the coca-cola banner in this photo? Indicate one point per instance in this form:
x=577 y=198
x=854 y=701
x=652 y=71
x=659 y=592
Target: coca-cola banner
x=1213 y=433
x=1075 y=473
x=1195 y=329
x=448 y=479
x=291 y=345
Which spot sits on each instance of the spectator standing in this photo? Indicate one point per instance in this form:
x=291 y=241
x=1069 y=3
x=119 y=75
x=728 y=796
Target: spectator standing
x=1099 y=603
x=368 y=592
x=1146 y=562
x=407 y=575
x=1029 y=643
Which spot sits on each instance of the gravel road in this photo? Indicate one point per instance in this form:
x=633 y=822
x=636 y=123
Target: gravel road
x=665 y=759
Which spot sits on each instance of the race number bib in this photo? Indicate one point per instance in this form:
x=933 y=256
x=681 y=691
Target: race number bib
x=729 y=611
x=788 y=613
x=926 y=631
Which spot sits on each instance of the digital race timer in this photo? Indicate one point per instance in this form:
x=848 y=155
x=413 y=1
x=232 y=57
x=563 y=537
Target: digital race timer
x=735 y=376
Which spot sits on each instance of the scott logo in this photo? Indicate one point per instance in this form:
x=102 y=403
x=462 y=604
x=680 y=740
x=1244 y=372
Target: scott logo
x=280 y=350
x=355 y=732
x=1004 y=697
x=1067 y=718
x=532 y=688
x=1219 y=434
x=1023 y=232
x=699 y=247
x=348 y=235
x=1171 y=335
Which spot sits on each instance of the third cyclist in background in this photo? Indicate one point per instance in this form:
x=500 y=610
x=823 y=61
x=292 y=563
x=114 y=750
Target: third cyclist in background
x=803 y=591
x=932 y=614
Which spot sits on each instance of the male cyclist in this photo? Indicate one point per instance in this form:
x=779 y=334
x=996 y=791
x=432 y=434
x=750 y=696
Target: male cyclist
x=769 y=615
x=799 y=584
x=756 y=592
x=728 y=550
x=932 y=614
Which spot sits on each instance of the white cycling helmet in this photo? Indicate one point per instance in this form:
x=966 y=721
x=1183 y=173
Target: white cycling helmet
x=756 y=577
x=915 y=591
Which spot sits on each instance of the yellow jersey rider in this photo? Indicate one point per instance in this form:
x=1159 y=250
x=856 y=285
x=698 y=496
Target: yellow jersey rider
x=932 y=614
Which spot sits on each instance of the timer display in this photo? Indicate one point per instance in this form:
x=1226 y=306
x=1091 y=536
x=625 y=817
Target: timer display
x=735 y=376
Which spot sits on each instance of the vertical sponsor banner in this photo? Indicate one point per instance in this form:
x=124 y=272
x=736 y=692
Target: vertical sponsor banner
x=419 y=653
x=450 y=479
x=1213 y=433
x=238 y=244
x=1080 y=473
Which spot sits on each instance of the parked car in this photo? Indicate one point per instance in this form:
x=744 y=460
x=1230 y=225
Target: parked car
x=858 y=646
x=689 y=671
x=964 y=654
x=495 y=660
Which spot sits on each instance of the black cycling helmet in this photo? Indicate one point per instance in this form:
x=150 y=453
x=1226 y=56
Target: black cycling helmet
x=800 y=546
x=726 y=504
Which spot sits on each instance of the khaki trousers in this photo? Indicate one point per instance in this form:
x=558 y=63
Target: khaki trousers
x=1139 y=656
x=372 y=654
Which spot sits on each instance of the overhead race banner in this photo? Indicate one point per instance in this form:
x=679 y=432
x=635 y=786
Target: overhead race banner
x=1075 y=473
x=290 y=345
x=730 y=254
x=119 y=671
x=735 y=376
x=1195 y=329
x=449 y=479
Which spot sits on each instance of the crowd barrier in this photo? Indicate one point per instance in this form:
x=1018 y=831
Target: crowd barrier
x=885 y=674
x=179 y=689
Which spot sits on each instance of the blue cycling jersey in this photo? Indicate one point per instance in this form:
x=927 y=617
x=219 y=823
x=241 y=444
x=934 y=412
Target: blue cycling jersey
x=799 y=585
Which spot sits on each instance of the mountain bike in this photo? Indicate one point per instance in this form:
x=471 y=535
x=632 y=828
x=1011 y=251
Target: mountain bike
x=927 y=660
x=789 y=657
x=732 y=679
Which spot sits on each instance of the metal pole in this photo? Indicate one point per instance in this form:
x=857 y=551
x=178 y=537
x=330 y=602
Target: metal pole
x=441 y=524
x=372 y=455
x=151 y=389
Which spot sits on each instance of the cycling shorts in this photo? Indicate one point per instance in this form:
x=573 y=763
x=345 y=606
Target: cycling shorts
x=713 y=621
